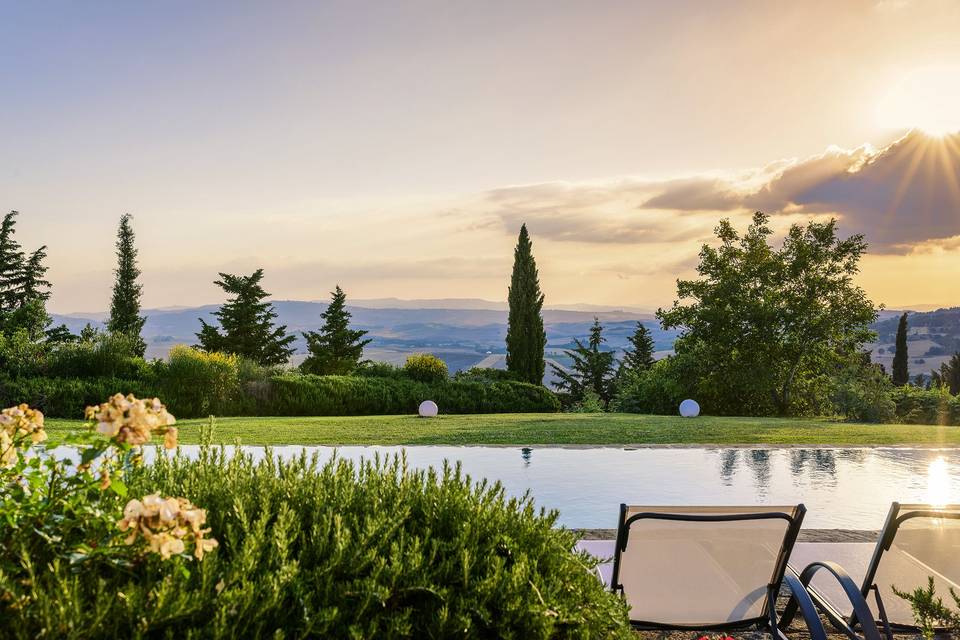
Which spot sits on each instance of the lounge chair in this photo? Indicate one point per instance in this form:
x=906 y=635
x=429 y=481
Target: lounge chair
x=917 y=542
x=708 y=568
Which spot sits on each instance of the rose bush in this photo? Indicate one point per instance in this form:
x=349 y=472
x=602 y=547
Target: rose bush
x=59 y=512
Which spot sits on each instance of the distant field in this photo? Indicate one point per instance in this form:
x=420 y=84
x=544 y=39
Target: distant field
x=553 y=429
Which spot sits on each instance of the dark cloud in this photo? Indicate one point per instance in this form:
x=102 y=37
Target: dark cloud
x=898 y=197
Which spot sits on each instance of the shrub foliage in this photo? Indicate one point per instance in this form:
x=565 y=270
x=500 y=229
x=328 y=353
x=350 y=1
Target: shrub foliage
x=309 y=550
x=425 y=367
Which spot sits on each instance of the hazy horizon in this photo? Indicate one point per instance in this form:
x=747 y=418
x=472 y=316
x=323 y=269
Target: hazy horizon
x=395 y=149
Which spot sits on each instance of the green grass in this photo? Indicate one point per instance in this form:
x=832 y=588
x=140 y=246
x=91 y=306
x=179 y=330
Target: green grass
x=556 y=429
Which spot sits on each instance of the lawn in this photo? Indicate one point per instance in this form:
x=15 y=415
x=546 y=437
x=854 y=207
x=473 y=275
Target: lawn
x=555 y=429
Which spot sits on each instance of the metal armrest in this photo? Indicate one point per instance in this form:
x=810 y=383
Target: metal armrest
x=807 y=609
x=861 y=610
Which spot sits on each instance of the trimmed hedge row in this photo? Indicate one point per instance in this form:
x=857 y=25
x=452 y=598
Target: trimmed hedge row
x=68 y=397
x=310 y=395
x=286 y=395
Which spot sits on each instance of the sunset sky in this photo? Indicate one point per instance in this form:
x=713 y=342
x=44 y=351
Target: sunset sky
x=396 y=147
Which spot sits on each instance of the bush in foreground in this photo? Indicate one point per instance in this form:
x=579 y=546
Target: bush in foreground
x=336 y=550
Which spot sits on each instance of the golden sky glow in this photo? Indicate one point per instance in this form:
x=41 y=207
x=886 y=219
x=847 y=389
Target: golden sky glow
x=396 y=148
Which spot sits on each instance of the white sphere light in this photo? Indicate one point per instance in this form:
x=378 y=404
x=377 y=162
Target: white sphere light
x=689 y=408
x=428 y=409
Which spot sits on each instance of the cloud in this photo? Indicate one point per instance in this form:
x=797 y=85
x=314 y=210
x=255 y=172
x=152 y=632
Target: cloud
x=603 y=212
x=900 y=196
x=696 y=194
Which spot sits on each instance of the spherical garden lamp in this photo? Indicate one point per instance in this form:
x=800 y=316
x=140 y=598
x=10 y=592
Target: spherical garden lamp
x=428 y=409
x=689 y=408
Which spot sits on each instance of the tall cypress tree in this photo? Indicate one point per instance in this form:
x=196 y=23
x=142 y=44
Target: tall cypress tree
x=336 y=349
x=640 y=356
x=901 y=372
x=526 y=338
x=125 y=315
x=246 y=323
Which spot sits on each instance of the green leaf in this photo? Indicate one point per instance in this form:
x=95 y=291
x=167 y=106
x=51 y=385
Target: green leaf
x=118 y=487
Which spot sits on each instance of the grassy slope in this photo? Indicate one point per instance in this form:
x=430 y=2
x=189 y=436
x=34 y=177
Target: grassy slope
x=539 y=429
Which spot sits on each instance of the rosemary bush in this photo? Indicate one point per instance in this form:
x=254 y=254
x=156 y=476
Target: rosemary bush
x=332 y=550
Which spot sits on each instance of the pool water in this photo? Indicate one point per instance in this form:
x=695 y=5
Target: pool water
x=842 y=488
x=848 y=488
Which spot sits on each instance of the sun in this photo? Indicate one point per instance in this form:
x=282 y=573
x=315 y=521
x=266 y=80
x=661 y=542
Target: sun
x=925 y=98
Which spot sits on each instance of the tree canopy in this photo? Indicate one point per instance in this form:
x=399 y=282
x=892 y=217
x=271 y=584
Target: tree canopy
x=246 y=323
x=592 y=368
x=526 y=337
x=762 y=322
x=639 y=356
x=24 y=289
x=335 y=349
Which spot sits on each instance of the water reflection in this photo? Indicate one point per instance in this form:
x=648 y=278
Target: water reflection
x=527 y=454
x=759 y=463
x=729 y=459
x=938 y=482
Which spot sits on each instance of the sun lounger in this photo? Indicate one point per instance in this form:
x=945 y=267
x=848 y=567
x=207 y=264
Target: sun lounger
x=708 y=568
x=916 y=543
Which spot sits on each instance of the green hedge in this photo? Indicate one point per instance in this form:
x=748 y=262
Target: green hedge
x=326 y=551
x=68 y=397
x=926 y=406
x=309 y=395
x=286 y=395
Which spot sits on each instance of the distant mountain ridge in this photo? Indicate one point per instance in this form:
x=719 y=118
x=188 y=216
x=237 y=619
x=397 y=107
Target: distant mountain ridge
x=467 y=331
x=463 y=333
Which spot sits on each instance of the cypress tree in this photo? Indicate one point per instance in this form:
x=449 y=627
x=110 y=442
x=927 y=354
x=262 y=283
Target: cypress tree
x=336 y=349
x=526 y=338
x=246 y=323
x=592 y=368
x=640 y=356
x=125 y=315
x=901 y=372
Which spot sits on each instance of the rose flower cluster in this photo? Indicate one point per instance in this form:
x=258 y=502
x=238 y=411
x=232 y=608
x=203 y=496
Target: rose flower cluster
x=167 y=525
x=16 y=424
x=128 y=420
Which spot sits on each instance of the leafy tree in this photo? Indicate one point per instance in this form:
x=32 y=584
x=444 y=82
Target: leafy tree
x=336 y=349
x=639 y=357
x=246 y=323
x=592 y=369
x=526 y=338
x=901 y=370
x=125 y=315
x=762 y=322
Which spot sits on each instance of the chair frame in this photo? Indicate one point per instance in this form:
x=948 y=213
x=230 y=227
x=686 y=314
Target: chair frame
x=862 y=617
x=768 y=619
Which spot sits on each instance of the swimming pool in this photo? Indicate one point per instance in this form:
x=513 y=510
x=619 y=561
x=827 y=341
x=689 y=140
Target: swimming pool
x=844 y=488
